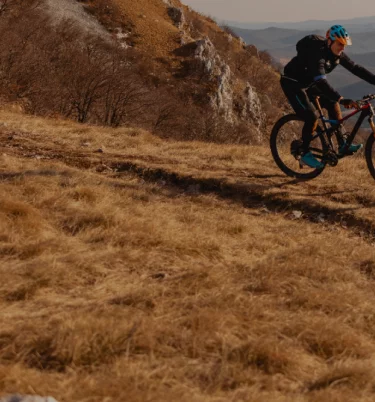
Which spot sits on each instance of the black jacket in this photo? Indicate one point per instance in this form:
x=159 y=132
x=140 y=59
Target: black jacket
x=315 y=60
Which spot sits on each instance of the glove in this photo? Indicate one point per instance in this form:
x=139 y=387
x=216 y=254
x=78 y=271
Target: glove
x=349 y=104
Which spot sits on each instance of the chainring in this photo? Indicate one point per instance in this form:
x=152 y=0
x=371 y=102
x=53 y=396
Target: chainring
x=331 y=159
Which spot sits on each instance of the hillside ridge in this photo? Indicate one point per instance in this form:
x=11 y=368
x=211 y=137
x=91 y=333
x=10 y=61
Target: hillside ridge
x=154 y=64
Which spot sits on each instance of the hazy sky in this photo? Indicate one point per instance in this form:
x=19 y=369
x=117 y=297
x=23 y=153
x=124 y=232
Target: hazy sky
x=283 y=10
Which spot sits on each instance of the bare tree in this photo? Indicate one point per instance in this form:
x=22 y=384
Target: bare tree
x=124 y=99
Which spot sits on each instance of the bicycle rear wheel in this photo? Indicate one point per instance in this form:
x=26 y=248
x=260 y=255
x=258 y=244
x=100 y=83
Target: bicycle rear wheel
x=286 y=148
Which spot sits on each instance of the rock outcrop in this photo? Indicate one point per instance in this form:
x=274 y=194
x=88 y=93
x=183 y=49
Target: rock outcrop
x=252 y=109
x=218 y=72
x=63 y=10
x=27 y=398
x=177 y=16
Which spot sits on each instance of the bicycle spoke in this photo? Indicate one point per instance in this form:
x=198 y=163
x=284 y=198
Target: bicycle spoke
x=287 y=148
x=290 y=132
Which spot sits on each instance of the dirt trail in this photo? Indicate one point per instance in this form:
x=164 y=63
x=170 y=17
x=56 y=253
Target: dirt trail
x=270 y=190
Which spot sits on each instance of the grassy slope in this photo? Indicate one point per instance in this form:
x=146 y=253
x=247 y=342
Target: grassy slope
x=122 y=281
x=157 y=36
x=157 y=33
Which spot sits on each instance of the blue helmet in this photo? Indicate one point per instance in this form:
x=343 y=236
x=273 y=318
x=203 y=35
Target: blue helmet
x=339 y=33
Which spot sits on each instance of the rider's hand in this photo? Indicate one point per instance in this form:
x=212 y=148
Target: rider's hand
x=349 y=104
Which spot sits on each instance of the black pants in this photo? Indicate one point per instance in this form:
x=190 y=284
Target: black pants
x=302 y=100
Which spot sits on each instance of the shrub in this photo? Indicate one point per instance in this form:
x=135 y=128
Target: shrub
x=56 y=69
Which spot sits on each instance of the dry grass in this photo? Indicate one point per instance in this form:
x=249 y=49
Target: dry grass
x=115 y=288
x=348 y=188
x=158 y=37
x=157 y=34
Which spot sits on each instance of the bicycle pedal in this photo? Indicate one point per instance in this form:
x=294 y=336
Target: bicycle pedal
x=348 y=153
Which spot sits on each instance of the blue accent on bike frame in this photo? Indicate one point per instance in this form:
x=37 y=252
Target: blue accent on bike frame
x=320 y=77
x=299 y=101
x=331 y=121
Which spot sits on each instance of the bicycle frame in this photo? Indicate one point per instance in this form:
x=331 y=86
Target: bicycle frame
x=366 y=110
x=323 y=149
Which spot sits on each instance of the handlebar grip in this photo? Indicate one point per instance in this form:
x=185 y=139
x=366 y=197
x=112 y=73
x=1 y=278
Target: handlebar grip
x=369 y=96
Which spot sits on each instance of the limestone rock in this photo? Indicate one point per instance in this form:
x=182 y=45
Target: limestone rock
x=72 y=10
x=206 y=53
x=27 y=398
x=177 y=16
x=242 y=42
x=296 y=214
x=252 y=109
x=217 y=71
x=122 y=36
x=223 y=99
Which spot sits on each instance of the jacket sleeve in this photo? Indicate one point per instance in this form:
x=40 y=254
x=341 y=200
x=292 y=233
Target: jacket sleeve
x=317 y=71
x=357 y=70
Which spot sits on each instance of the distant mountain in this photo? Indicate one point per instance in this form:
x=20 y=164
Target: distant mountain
x=281 y=44
x=366 y=59
x=271 y=38
x=354 y=25
x=357 y=90
x=277 y=40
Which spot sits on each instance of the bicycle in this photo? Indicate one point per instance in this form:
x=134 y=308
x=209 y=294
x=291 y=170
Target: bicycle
x=286 y=141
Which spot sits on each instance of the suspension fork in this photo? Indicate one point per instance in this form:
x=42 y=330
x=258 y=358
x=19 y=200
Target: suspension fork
x=371 y=119
x=372 y=125
x=357 y=126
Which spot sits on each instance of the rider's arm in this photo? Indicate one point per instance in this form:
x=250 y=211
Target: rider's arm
x=356 y=69
x=317 y=71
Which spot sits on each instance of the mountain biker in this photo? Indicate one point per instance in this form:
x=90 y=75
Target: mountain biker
x=305 y=78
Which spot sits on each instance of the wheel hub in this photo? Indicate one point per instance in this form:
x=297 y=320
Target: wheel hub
x=296 y=148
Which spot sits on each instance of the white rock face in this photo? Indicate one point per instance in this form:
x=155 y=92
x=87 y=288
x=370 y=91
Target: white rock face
x=70 y=9
x=177 y=16
x=223 y=99
x=253 y=109
x=206 y=53
x=218 y=71
x=242 y=42
x=27 y=398
x=121 y=37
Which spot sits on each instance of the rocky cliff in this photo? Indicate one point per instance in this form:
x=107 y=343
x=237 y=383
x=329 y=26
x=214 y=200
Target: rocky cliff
x=194 y=78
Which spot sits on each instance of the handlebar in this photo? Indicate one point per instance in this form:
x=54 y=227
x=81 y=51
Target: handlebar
x=368 y=98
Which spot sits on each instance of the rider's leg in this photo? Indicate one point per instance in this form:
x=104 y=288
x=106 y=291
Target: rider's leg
x=305 y=109
x=301 y=104
x=334 y=113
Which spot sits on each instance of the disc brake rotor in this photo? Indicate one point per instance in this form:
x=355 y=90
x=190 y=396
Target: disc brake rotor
x=296 y=148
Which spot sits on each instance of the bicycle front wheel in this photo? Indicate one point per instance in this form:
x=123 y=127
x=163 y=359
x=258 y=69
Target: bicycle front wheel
x=286 y=148
x=370 y=154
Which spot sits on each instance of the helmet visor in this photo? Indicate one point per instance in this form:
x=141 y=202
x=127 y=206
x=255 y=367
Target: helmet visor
x=347 y=41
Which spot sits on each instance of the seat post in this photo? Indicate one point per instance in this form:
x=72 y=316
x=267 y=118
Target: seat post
x=321 y=112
